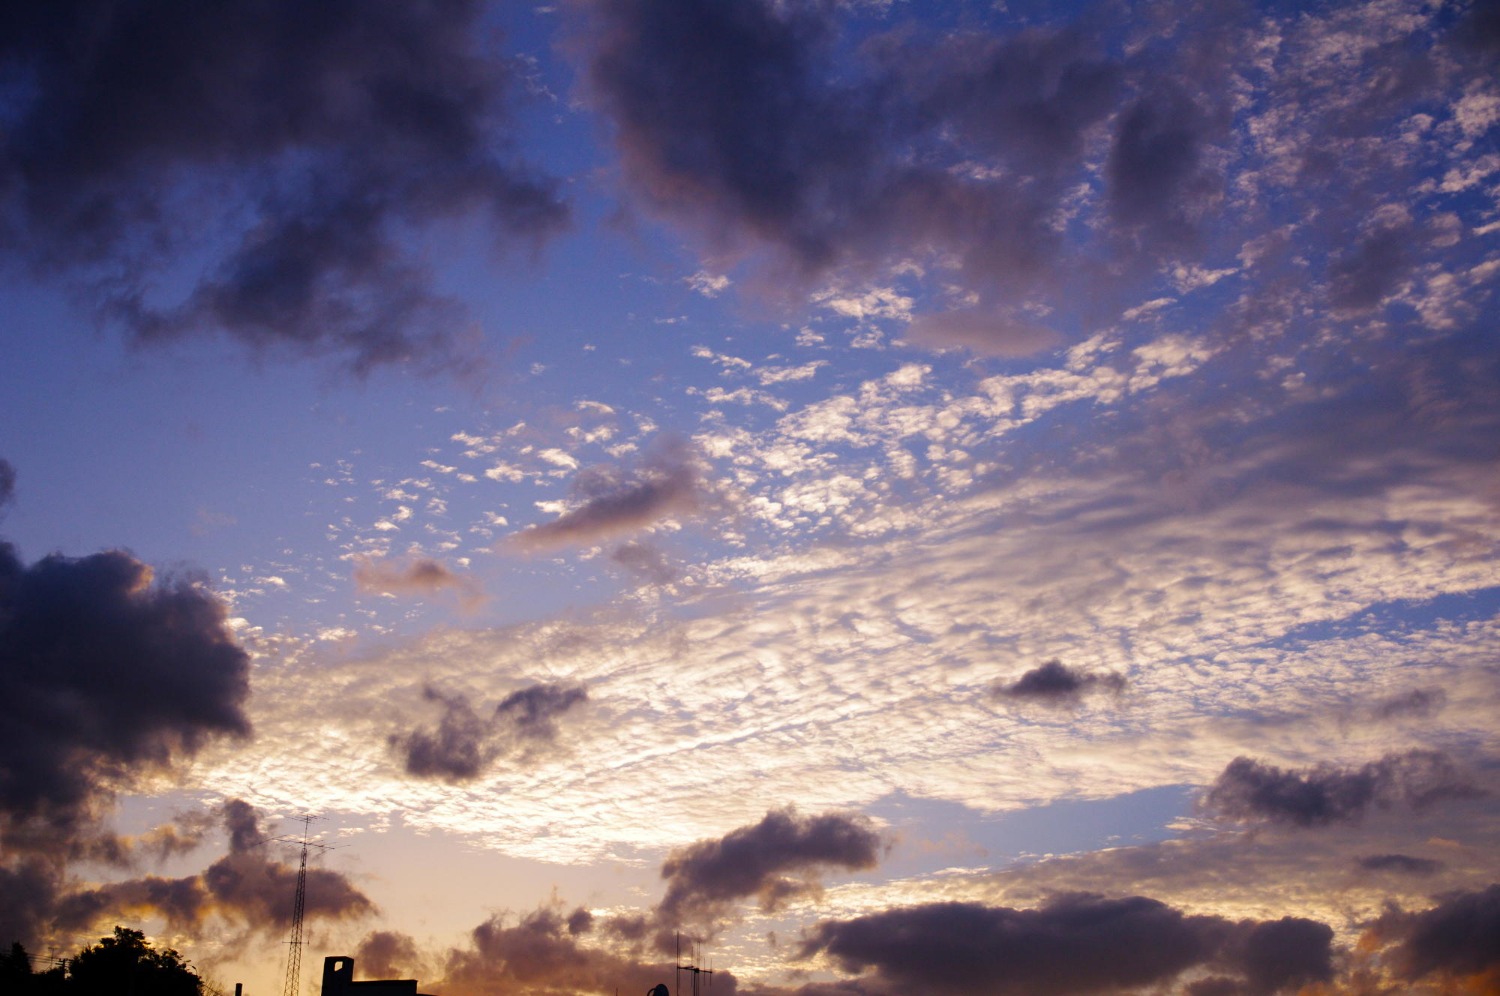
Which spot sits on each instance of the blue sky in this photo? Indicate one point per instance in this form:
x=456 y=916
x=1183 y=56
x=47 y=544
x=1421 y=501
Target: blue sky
x=840 y=481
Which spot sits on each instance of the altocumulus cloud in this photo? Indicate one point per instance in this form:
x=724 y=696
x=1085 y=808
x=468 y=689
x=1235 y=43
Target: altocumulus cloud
x=303 y=139
x=1051 y=163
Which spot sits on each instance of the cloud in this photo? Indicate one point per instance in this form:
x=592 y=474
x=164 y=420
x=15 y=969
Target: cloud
x=1454 y=938
x=1251 y=790
x=1028 y=179
x=1054 y=683
x=1075 y=943
x=545 y=951
x=464 y=745
x=614 y=501
x=293 y=158
x=415 y=576
x=988 y=332
x=387 y=954
x=647 y=563
x=729 y=120
x=109 y=674
x=1419 y=703
x=246 y=888
x=1403 y=864
x=7 y=483
x=458 y=750
x=703 y=878
x=531 y=714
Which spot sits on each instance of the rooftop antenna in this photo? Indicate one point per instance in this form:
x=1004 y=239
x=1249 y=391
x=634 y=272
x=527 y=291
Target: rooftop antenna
x=294 y=945
x=696 y=974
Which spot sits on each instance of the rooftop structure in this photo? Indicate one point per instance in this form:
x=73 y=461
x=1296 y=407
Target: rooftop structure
x=338 y=980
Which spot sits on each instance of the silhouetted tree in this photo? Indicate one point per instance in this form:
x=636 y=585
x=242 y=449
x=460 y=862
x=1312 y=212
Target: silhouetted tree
x=123 y=964
x=18 y=979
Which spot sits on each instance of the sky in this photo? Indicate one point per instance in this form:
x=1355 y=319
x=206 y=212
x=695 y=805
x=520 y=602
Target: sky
x=891 y=496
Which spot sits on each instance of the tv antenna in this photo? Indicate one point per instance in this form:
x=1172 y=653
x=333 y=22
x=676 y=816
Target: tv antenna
x=695 y=973
x=294 y=945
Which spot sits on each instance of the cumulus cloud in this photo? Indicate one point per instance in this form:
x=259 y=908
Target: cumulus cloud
x=293 y=157
x=415 y=576
x=1054 y=683
x=612 y=501
x=760 y=860
x=109 y=674
x=546 y=951
x=247 y=889
x=457 y=750
x=387 y=954
x=1251 y=790
x=463 y=745
x=1076 y=943
x=1455 y=938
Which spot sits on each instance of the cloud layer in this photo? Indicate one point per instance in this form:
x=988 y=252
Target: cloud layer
x=294 y=157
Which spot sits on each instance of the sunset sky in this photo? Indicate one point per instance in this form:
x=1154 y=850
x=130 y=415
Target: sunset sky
x=918 y=497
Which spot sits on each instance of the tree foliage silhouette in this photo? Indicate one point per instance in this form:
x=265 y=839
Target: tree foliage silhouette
x=123 y=963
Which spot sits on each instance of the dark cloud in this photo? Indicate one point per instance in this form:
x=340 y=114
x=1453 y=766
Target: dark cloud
x=732 y=120
x=1418 y=703
x=1404 y=864
x=248 y=888
x=530 y=714
x=7 y=483
x=413 y=576
x=645 y=562
x=1281 y=955
x=387 y=954
x=28 y=894
x=458 y=750
x=703 y=878
x=523 y=727
x=614 y=501
x=1074 y=944
x=1054 y=683
x=544 y=952
x=277 y=155
x=1457 y=937
x=183 y=835
x=1160 y=184
x=1250 y=790
x=1043 y=176
x=1361 y=278
x=108 y=674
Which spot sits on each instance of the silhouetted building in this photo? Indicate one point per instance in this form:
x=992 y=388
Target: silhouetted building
x=338 y=980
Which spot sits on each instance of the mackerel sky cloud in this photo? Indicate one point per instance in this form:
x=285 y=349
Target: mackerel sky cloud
x=916 y=497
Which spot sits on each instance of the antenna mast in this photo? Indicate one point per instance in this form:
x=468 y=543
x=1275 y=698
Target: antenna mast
x=294 y=946
x=694 y=972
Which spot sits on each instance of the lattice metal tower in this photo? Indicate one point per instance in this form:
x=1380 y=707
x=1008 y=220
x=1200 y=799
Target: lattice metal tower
x=294 y=946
